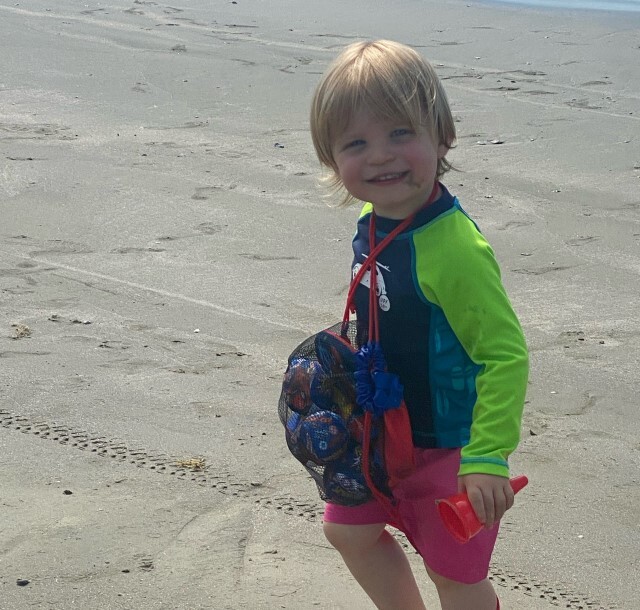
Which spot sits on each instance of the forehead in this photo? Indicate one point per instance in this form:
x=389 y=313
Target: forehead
x=365 y=119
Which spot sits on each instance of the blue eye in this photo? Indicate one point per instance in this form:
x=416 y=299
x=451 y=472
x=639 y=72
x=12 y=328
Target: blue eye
x=403 y=131
x=354 y=143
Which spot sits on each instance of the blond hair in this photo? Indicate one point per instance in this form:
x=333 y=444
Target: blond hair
x=388 y=79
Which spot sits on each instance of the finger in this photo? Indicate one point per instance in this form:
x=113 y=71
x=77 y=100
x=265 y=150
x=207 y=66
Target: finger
x=477 y=502
x=499 y=503
x=510 y=496
x=489 y=508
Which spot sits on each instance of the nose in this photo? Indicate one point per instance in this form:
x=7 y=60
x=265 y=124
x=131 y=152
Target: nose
x=380 y=153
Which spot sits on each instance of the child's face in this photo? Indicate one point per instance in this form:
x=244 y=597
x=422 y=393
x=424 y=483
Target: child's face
x=387 y=163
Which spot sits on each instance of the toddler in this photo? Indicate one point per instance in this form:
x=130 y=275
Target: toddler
x=382 y=126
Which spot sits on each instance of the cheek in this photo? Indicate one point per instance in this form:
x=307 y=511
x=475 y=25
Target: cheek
x=348 y=170
x=423 y=161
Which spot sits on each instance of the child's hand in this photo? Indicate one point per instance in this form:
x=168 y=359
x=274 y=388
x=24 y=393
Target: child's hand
x=491 y=496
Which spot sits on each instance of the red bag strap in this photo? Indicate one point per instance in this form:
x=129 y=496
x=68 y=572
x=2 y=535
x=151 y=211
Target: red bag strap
x=374 y=335
x=374 y=329
x=369 y=264
x=373 y=254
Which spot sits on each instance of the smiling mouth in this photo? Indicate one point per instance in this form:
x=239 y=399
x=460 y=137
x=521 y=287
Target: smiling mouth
x=391 y=177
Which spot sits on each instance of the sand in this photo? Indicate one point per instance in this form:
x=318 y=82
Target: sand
x=164 y=246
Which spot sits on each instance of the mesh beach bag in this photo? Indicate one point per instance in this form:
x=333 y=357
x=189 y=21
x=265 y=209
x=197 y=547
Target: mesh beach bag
x=343 y=413
x=324 y=425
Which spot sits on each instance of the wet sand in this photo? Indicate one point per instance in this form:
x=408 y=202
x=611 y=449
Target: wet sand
x=164 y=246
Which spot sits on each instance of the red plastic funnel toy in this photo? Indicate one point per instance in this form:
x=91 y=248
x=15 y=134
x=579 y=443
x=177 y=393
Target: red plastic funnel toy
x=458 y=515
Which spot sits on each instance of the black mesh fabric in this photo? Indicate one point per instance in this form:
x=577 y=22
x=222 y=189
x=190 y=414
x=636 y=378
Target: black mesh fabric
x=323 y=423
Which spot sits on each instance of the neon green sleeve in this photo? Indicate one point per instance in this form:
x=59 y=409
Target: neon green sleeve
x=457 y=271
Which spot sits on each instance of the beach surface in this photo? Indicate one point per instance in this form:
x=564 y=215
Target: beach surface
x=164 y=246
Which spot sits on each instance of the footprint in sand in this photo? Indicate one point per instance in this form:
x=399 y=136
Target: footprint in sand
x=187 y=125
x=582 y=240
x=263 y=257
x=205 y=228
x=542 y=270
x=582 y=103
x=10 y=354
x=502 y=88
x=204 y=192
x=133 y=250
x=59 y=246
x=209 y=228
x=36 y=131
x=27 y=158
x=94 y=10
x=231 y=154
x=514 y=224
x=245 y=62
x=525 y=72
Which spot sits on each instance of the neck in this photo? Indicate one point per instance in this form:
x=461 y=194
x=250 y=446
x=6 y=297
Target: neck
x=436 y=191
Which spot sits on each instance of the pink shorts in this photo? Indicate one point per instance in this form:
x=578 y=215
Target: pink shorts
x=436 y=476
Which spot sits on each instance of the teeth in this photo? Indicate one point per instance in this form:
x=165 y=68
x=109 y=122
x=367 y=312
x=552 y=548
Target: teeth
x=387 y=177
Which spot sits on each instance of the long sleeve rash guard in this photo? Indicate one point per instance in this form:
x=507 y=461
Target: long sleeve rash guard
x=449 y=332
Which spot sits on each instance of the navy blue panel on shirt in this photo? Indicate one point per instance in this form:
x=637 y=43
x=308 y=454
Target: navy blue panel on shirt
x=404 y=316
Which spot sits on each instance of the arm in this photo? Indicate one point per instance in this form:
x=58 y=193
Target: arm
x=464 y=280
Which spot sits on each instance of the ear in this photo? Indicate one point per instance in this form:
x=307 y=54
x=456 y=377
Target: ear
x=443 y=149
